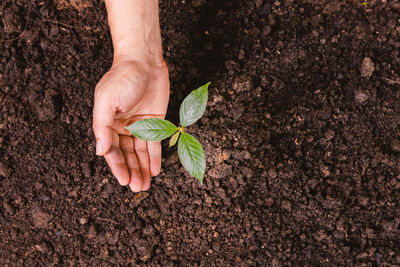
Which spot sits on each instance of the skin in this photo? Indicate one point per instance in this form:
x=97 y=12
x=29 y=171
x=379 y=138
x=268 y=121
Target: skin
x=135 y=87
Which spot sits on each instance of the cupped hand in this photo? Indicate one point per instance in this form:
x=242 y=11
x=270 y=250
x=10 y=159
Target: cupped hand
x=128 y=92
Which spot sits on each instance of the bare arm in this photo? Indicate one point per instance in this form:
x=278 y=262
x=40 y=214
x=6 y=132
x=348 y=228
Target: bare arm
x=136 y=87
x=135 y=29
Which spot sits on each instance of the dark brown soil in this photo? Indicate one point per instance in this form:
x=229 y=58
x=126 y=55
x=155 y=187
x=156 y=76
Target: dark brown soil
x=301 y=135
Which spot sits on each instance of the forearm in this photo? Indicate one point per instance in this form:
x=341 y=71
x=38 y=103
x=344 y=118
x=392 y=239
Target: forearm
x=135 y=30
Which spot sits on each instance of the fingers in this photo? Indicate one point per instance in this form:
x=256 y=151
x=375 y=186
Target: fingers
x=126 y=144
x=142 y=155
x=103 y=118
x=154 y=149
x=130 y=161
x=116 y=161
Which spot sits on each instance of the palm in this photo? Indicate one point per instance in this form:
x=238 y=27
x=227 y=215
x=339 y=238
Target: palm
x=132 y=91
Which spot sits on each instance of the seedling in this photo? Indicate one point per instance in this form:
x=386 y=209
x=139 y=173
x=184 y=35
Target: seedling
x=190 y=151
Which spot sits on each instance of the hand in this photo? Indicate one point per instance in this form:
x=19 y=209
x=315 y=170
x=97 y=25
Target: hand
x=130 y=91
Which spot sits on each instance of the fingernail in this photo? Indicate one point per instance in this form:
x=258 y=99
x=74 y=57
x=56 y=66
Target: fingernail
x=99 y=147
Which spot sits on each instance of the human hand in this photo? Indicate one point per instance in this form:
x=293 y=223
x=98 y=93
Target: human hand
x=130 y=91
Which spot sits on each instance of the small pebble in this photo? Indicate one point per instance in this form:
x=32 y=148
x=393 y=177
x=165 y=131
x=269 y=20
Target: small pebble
x=83 y=220
x=41 y=248
x=258 y=228
x=360 y=96
x=367 y=67
x=325 y=170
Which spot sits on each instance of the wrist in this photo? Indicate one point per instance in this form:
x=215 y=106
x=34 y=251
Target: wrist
x=140 y=51
x=135 y=30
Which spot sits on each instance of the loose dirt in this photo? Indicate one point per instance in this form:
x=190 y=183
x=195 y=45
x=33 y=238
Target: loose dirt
x=301 y=135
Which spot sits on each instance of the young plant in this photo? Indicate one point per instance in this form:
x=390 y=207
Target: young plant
x=190 y=151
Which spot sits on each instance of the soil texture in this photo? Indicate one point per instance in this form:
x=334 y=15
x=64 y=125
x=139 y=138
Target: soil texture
x=301 y=134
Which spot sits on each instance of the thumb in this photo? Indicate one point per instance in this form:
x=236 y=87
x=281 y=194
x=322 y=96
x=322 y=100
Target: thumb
x=103 y=119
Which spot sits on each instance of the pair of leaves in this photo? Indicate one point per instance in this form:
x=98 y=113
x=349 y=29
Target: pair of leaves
x=190 y=151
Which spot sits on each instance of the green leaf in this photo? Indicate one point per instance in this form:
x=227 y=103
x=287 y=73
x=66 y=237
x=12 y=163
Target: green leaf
x=153 y=129
x=192 y=156
x=193 y=106
x=173 y=139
